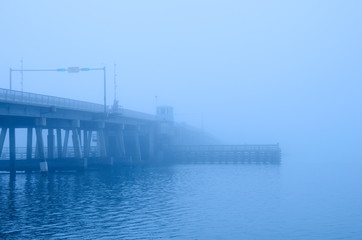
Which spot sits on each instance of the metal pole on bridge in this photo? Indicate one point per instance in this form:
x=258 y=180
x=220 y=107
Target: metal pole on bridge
x=10 y=73
x=105 y=91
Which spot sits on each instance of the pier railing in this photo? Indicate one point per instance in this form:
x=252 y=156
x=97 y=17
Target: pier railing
x=218 y=148
x=20 y=153
x=270 y=153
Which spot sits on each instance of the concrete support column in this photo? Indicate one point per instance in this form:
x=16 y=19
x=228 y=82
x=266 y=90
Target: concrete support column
x=87 y=137
x=40 y=148
x=36 y=150
x=107 y=151
x=151 y=144
x=59 y=143
x=29 y=144
x=101 y=143
x=89 y=141
x=137 y=147
x=65 y=145
x=98 y=144
x=76 y=143
x=12 y=148
x=120 y=143
x=85 y=145
x=81 y=141
x=2 y=139
x=50 y=143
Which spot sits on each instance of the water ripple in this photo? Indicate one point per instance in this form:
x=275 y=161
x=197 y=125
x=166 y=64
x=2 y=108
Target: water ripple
x=178 y=202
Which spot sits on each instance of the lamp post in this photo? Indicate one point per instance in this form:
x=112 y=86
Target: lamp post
x=69 y=70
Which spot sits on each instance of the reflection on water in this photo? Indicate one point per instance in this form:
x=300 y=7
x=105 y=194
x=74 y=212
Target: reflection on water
x=230 y=201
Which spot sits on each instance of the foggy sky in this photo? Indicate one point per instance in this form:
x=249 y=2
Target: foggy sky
x=254 y=71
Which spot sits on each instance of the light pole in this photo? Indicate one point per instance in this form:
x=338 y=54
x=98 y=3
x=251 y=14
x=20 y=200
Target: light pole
x=69 y=70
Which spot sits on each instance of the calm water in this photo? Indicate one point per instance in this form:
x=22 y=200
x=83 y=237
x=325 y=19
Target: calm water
x=226 y=201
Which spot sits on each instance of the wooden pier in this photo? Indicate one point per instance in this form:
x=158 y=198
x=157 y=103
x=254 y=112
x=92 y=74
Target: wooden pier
x=270 y=153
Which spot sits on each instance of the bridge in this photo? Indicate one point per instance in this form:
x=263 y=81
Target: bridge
x=64 y=134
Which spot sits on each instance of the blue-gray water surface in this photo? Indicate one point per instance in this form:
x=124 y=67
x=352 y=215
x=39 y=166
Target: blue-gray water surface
x=191 y=201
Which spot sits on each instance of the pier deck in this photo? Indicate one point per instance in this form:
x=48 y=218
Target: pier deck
x=270 y=153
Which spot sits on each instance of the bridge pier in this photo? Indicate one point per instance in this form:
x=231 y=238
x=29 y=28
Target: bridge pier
x=115 y=144
x=151 y=144
x=101 y=143
x=120 y=143
x=12 y=148
x=29 y=143
x=65 y=145
x=134 y=146
x=76 y=143
x=40 y=149
x=59 y=143
x=87 y=137
x=137 y=144
x=2 y=139
x=50 y=143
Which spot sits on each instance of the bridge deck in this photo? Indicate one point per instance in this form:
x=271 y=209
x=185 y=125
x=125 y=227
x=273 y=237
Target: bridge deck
x=32 y=99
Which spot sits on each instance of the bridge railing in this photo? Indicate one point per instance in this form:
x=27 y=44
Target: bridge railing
x=13 y=96
x=44 y=100
x=20 y=153
x=133 y=114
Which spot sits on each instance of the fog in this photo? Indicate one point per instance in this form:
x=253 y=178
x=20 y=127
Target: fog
x=285 y=72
